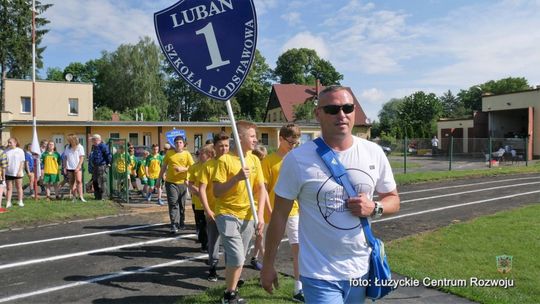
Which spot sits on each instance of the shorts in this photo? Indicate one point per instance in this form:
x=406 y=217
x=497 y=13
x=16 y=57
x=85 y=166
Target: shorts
x=9 y=177
x=152 y=182
x=144 y=181
x=292 y=229
x=332 y=292
x=235 y=236
x=133 y=178
x=51 y=178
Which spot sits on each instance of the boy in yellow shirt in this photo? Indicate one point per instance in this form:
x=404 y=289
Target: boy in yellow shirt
x=233 y=214
x=176 y=164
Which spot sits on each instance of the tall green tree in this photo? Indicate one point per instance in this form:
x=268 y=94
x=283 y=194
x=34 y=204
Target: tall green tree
x=472 y=97
x=16 y=38
x=452 y=106
x=131 y=77
x=303 y=66
x=418 y=114
x=254 y=93
x=55 y=74
x=389 y=118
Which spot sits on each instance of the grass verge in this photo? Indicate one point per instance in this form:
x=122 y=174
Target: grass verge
x=418 y=177
x=399 y=164
x=42 y=212
x=468 y=250
x=252 y=292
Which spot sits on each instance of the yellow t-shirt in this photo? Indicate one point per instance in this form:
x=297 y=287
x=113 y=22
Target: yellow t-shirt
x=51 y=162
x=172 y=159
x=153 y=162
x=270 y=167
x=194 y=176
x=236 y=201
x=207 y=175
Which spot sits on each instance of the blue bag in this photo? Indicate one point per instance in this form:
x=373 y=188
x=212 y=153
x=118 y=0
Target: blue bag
x=379 y=269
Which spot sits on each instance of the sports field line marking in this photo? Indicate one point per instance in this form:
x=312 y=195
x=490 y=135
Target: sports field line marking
x=104 y=278
x=465 y=192
x=81 y=253
x=79 y=235
x=453 y=206
x=467 y=185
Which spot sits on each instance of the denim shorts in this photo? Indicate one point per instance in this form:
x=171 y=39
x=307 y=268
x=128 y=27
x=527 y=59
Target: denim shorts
x=332 y=292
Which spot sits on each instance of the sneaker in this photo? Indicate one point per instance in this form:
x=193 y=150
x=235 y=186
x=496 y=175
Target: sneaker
x=21 y=204
x=204 y=249
x=174 y=230
x=299 y=297
x=232 y=297
x=212 y=276
x=256 y=264
x=149 y=197
x=160 y=202
x=9 y=205
x=83 y=200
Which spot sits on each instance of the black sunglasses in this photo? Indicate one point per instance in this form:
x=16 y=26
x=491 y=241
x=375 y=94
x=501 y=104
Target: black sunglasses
x=334 y=109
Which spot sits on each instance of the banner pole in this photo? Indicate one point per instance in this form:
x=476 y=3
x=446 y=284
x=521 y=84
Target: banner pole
x=242 y=160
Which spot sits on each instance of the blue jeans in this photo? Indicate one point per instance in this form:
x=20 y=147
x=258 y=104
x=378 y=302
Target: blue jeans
x=332 y=292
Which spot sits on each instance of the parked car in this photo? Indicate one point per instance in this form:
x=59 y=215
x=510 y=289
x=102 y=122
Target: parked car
x=386 y=150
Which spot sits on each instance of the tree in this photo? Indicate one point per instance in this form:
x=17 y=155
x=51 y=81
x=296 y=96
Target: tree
x=418 y=114
x=304 y=111
x=388 y=118
x=472 y=98
x=55 y=74
x=16 y=38
x=453 y=107
x=130 y=77
x=254 y=93
x=303 y=66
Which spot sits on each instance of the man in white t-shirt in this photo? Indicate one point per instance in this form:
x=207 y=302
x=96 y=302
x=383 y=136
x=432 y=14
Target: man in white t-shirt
x=333 y=248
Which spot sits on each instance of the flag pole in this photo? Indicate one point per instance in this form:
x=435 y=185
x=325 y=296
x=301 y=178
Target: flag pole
x=34 y=146
x=242 y=160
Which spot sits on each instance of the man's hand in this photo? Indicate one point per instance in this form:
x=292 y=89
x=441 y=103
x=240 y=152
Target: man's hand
x=243 y=174
x=269 y=278
x=260 y=227
x=210 y=215
x=361 y=205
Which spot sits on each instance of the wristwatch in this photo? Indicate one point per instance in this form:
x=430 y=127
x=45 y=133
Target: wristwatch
x=377 y=211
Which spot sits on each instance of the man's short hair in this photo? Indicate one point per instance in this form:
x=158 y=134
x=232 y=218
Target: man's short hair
x=220 y=136
x=332 y=88
x=96 y=136
x=208 y=150
x=243 y=125
x=179 y=137
x=290 y=130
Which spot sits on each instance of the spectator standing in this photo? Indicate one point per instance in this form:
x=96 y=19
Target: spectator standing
x=14 y=171
x=333 y=247
x=434 y=145
x=73 y=166
x=51 y=161
x=99 y=162
x=29 y=169
x=175 y=165
x=3 y=167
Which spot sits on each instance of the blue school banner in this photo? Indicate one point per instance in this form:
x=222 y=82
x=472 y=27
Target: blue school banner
x=210 y=43
x=171 y=135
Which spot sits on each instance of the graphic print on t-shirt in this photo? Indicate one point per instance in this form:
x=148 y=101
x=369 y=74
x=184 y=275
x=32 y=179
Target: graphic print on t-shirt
x=332 y=199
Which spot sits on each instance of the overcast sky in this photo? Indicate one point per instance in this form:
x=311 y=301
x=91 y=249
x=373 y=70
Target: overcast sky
x=385 y=49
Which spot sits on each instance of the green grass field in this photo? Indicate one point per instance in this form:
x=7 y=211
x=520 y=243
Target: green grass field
x=468 y=250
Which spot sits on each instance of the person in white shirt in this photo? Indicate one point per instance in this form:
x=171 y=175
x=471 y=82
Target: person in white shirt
x=72 y=164
x=333 y=248
x=434 y=145
x=14 y=171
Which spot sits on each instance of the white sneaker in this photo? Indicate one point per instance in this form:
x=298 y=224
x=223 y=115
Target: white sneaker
x=9 y=205
x=21 y=204
x=83 y=200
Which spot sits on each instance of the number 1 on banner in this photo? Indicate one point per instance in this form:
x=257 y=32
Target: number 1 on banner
x=213 y=48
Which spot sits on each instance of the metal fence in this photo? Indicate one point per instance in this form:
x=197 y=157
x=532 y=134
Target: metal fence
x=418 y=154
x=119 y=172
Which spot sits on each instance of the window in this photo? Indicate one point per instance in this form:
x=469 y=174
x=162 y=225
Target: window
x=197 y=142
x=264 y=139
x=147 y=139
x=134 y=139
x=26 y=105
x=73 y=106
x=275 y=116
x=115 y=135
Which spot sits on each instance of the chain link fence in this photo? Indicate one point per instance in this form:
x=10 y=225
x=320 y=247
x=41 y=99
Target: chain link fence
x=418 y=154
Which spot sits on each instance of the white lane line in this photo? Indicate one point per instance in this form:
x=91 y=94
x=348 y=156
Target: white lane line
x=104 y=278
x=468 y=185
x=79 y=236
x=81 y=253
x=465 y=192
x=453 y=206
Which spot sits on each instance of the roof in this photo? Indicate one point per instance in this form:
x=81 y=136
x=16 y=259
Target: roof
x=110 y=123
x=288 y=95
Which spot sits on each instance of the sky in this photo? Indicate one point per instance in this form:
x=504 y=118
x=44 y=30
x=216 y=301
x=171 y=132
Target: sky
x=385 y=49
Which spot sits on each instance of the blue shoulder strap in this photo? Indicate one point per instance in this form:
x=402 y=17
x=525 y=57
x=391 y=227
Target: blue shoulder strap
x=339 y=173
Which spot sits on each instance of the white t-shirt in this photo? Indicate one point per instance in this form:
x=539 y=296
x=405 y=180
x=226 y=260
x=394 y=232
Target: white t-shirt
x=332 y=243
x=15 y=156
x=72 y=156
